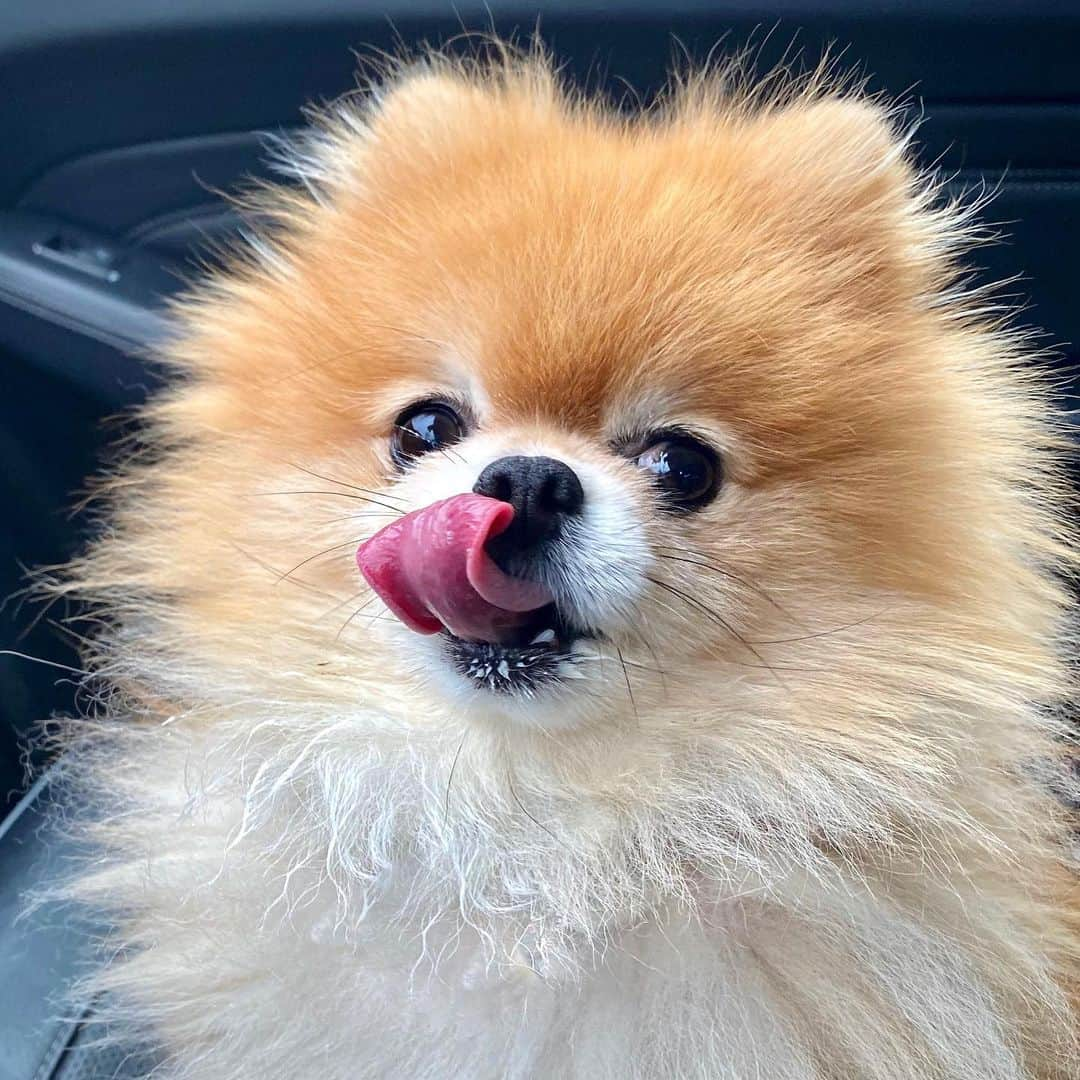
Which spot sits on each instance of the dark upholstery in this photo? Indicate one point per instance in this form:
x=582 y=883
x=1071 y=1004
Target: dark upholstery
x=44 y=947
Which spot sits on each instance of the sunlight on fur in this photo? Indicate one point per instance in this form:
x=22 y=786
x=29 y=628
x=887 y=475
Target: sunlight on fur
x=797 y=809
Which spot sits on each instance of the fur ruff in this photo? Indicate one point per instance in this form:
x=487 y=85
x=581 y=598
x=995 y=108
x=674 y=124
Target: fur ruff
x=832 y=851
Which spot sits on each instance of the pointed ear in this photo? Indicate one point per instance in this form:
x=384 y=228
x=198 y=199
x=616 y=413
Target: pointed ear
x=439 y=102
x=409 y=127
x=845 y=149
x=399 y=126
x=835 y=176
x=424 y=99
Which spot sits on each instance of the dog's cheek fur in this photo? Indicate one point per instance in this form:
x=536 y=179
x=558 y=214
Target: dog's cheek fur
x=819 y=845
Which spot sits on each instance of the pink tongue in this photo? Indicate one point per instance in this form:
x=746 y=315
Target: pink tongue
x=431 y=570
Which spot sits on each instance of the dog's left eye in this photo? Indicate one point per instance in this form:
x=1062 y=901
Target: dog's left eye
x=421 y=428
x=687 y=472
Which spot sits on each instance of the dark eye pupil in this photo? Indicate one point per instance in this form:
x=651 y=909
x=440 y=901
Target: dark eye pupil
x=424 y=428
x=685 y=472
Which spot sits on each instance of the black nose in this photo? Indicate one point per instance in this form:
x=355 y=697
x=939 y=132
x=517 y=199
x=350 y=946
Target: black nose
x=543 y=493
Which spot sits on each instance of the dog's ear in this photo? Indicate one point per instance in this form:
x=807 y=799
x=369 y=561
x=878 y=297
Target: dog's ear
x=841 y=153
x=424 y=102
x=415 y=126
x=833 y=175
x=429 y=107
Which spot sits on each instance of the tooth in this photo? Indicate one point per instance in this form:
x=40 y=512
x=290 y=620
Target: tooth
x=543 y=637
x=504 y=669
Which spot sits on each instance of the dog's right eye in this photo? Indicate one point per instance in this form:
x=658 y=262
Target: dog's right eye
x=686 y=472
x=421 y=428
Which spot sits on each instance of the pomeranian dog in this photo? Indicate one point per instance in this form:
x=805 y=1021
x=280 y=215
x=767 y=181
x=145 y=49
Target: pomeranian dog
x=592 y=603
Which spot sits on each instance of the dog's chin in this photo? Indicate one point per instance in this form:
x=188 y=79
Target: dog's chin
x=535 y=656
x=546 y=675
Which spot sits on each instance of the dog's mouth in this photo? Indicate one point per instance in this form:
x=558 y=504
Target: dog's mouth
x=533 y=656
x=432 y=570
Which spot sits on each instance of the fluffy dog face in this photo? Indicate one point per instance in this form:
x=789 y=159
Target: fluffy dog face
x=793 y=510
x=719 y=320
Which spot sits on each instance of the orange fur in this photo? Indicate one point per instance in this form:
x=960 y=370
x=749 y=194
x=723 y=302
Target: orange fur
x=772 y=272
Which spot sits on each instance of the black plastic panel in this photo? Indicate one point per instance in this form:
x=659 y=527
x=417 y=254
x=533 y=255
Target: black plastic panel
x=81 y=303
x=117 y=191
x=84 y=281
x=97 y=75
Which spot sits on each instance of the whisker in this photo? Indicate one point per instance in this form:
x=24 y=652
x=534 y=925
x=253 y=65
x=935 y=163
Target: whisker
x=521 y=807
x=281 y=577
x=704 y=564
x=629 y=689
x=640 y=635
x=750 y=585
x=340 y=604
x=349 y=517
x=821 y=633
x=319 y=554
x=453 y=769
x=342 y=483
x=384 y=614
x=345 y=624
x=696 y=604
x=412 y=335
x=338 y=494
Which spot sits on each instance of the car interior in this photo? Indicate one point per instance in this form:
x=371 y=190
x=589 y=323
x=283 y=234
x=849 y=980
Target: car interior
x=126 y=125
